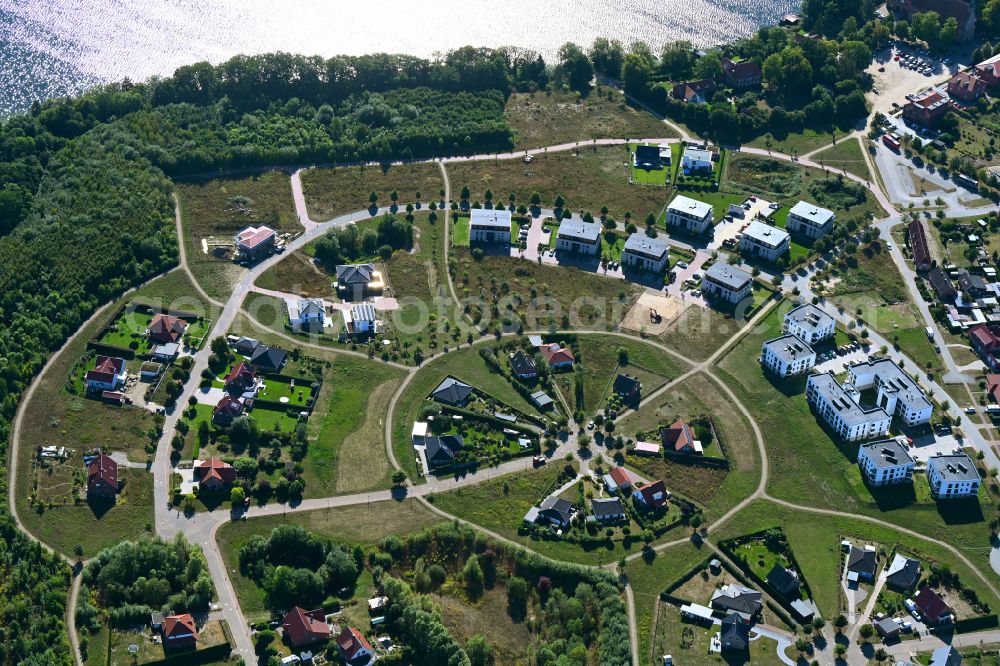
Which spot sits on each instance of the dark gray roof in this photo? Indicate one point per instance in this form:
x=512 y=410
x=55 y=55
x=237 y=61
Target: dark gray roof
x=626 y=385
x=586 y=232
x=640 y=242
x=522 y=364
x=784 y=581
x=607 y=507
x=903 y=572
x=441 y=450
x=946 y=655
x=558 y=506
x=737 y=598
x=452 y=392
x=542 y=399
x=268 y=358
x=246 y=346
x=355 y=273
x=887 y=453
x=788 y=348
x=954 y=467
x=809 y=317
x=728 y=276
x=735 y=634
x=861 y=560
x=887 y=627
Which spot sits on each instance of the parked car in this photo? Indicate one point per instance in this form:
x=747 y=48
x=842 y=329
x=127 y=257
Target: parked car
x=970 y=410
x=682 y=264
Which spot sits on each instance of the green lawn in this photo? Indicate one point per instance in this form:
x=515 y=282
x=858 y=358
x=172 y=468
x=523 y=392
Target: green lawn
x=818 y=471
x=128 y=329
x=460 y=231
x=846 y=155
x=612 y=250
x=599 y=363
x=794 y=143
x=656 y=177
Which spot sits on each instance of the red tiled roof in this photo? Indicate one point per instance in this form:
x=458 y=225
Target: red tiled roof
x=678 y=435
x=166 y=328
x=984 y=336
x=621 y=477
x=554 y=354
x=215 y=469
x=918 y=243
x=179 y=626
x=243 y=373
x=650 y=490
x=106 y=370
x=229 y=405
x=251 y=237
x=350 y=642
x=930 y=603
x=303 y=627
x=966 y=84
x=102 y=470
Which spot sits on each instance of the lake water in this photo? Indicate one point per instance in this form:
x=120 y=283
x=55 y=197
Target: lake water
x=55 y=47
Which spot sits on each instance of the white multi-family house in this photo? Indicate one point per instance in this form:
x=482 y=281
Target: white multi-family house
x=809 y=323
x=885 y=462
x=645 y=253
x=787 y=356
x=809 y=220
x=952 y=476
x=489 y=226
x=689 y=214
x=579 y=237
x=764 y=241
x=840 y=406
x=897 y=393
x=727 y=283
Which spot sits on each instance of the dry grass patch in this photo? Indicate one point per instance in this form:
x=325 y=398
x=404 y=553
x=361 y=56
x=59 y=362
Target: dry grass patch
x=367 y=444
x=546 y=119
x=339 y=190
x=297 y=274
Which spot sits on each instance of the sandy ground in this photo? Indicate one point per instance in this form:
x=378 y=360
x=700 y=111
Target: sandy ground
x=668 y=307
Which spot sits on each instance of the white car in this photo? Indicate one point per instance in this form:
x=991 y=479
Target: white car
x=682 y=264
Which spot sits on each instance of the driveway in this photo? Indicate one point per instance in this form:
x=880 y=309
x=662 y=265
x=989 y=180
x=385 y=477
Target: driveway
x=675 y=288
x=209 y=396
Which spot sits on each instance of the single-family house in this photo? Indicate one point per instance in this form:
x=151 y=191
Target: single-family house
x=942 y=286
x=989 y=71
x=738 y=599
x=645 y=253
x=108 y=374
x=745 y=74
x=255 y=243
x=680 y=438
x=903 y=573
x=784 y=581
x=179 y=631
x=452 y=392
x=952 y=476
x=102 y=477
x=652 y=495
x=973 y=286
x=726 y=283
x=440 y=450
x=809 y=220
x=245 y=346
x=694 y=92
x=628 y=387
x=787 y=356
x=164 y=328
x=214 y=474
x=697 y=159
x=241 y=380
x=360 y=321
x=306 y=313
x=617 y=479
x=356 y=282
x=303 y=627
x=353 y=647
x=809 y=323
x=227 y=410
x=764 y=241
x=489 y=226
x=735 y=633
x=862 y=562
x=556 y=510
x=946 y=655
x=607 y=510
x=523 y=366
x=932 y=606
x=268 y=359
x=689 y=215
x=885 y=462
x=558 y=358
x=579 y=237
x=647 y=158
x=985 y=339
